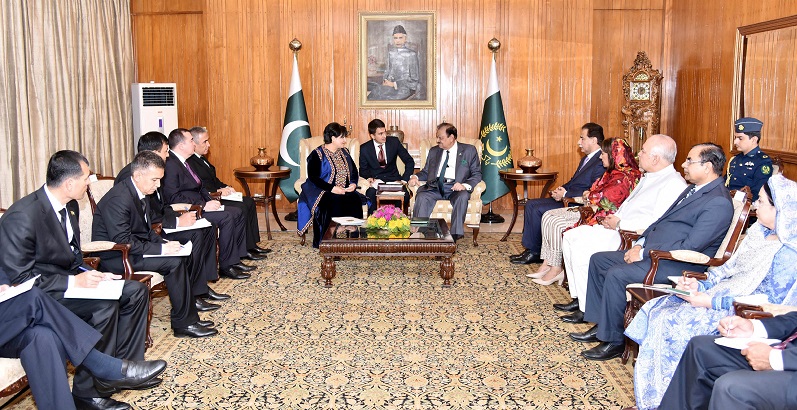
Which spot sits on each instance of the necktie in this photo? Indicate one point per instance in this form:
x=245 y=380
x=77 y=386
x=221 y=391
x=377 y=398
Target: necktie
x=144 y=208
x=583 y=162
x=441 y=178
x=782 y=345
x=63 y=223
x=688 y=194
x=191 y=171
x=381 y=157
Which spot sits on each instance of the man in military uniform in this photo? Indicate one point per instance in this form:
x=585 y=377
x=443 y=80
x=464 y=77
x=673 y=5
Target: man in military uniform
x=402 y=78
x=750 y=167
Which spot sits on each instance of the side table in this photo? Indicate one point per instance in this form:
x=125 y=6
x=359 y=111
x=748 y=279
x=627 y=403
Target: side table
x=511 y=177
x=270 y=177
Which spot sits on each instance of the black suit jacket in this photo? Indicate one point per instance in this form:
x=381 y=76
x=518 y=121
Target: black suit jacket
x=33 y=243
x=781 y=327
x=369 y=164
x=120 y=218
x=159 y=211
x=585 y=176
x=179 y=186
x=206 y=173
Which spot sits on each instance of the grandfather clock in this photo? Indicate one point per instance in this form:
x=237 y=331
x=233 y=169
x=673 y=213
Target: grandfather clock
x=642 y=109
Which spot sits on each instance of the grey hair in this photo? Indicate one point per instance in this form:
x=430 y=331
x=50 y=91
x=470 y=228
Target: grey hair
x=666 y=149
x=197 y=131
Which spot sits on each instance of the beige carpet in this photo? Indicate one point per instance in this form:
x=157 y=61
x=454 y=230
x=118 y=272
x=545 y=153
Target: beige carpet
x=386 y=336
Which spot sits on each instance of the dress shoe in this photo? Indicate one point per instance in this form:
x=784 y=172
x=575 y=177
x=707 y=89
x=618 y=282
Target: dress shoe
x=571 y=306
x=204 y=306
x=589 y=336
x=576 y=317
x=136 y=373
x=558 y=278
x=243 y=267
x=206 y=323
x=259 y=250
x=528 y=258
x=213 y=295
x=252 y=257
x=99 y=403
x=521 y=254
x=604 y=351
x=195 y=330
x=144 y=386
x=233 y=273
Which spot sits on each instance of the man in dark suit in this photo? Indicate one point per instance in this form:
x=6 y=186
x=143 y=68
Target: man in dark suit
x=378 y=161
x=697 y=221
x=451 y=172
x=207 y=174
x=43 y=334
x=710 y=376
x=590 y=168
x=41 y=236
x=122 y=216
x=182 y=185
x=203 y=256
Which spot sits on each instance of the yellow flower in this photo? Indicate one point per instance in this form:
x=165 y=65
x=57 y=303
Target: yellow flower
x=381 y=222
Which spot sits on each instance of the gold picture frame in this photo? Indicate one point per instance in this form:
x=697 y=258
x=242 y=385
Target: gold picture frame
x=398 y=60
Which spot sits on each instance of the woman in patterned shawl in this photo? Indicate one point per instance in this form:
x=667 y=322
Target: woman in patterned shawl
x=763 y=264
x=330 y=188
x=605 y=196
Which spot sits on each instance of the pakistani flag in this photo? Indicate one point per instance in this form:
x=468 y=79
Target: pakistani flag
x=496 y=154
x=294 y=128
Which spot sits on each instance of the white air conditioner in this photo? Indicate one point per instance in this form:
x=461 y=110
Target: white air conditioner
x=154 y=109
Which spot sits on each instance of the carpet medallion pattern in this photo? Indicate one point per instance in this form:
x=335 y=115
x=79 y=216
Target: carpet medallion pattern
x=386 y=336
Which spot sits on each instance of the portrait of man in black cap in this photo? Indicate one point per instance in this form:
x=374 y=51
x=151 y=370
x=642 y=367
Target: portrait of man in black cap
x=401 y=80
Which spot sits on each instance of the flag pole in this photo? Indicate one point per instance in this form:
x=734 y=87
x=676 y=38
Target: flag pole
x=491 y=217
x=295 y=45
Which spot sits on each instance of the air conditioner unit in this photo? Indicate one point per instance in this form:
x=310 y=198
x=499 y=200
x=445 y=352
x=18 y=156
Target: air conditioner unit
x=154 y=109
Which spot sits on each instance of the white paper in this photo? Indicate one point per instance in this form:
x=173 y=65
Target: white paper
x=185 y=250
x=221 y=208
x=742 y=342
x=674 y=279
x=347 y=220
x=14 y=291
x=107 y=289
x=392 y=193
x=757 y=300
x=235 y=196
x=199 y=224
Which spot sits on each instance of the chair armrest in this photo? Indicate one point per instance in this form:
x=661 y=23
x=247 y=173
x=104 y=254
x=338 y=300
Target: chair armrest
x=102 y=246
x=158 y=228
x=753 y=314
x=363 y=185
x=695 y=275
x=627 y=237
x=585 y=212
x=215 y=195
x=477 y=191
x=567 y=201
x=656 y=256
x=92 y=261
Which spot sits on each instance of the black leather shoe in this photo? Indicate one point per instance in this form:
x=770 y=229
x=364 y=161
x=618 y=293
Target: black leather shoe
x=99 y=403
x=195 y=330
x=243 y=268
x=528 y=259
x=604 y=351
x=576 y=317
x=589 y=336
x=259 y=250
x=204 y=306
x=213 y=295
x=136 y=374
x=233 y=273
x=523 y=254
x=146 y=385
x=571 y=306
x=206 y=323
x=252 y=257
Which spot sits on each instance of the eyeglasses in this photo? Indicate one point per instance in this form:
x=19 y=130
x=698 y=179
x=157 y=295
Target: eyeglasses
x=690 y=161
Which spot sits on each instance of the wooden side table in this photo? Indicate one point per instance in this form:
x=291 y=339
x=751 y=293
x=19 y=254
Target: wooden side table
x=270 y=177
x=511 y=177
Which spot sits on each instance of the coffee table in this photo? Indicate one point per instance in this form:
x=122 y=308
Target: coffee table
x=432 y=239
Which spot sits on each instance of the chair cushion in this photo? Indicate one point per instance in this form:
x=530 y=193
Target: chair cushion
x=156 y=277
x=689 y=256
x=10 y=371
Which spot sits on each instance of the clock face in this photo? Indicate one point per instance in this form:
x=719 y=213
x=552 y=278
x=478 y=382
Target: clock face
x=640 y=91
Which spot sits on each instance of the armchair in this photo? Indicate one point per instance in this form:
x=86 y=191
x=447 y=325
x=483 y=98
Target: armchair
x=442 y=208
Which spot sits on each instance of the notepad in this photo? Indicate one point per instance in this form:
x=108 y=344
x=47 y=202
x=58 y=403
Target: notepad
x=107 y=290
x=671 y=291
x=185 y=250
x=221 y=208
x=15 y=291
x=742 y=342
x=235 y=196
x=348 y=221
x=199 y=224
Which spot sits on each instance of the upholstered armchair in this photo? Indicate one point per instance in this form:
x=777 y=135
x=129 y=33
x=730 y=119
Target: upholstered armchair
x=442 y=208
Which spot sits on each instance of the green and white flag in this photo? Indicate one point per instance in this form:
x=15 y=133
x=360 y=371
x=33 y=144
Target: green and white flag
x=294 y=128
x=496 y=154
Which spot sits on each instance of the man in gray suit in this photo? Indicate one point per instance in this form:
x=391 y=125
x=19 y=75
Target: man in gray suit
x=451 y=172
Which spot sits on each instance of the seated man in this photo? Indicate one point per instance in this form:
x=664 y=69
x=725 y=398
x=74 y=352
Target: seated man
x=750 y=167
x=451 y=172
x=697 y=221
x=710 y=376
x=41 y=236
x=207 y=174
x=203 y=256
x=182 y=185
x=655 y=192
x=589 y=170
x=378 y=161
x=43 y=334
x=122 y=216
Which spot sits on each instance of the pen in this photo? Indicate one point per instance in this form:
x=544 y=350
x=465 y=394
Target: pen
x=730 y=325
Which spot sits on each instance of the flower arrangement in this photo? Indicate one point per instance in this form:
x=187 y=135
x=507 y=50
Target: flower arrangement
x=389 y=218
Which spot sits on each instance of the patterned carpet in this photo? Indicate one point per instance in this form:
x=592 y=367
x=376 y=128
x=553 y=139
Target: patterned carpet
x=386 y=336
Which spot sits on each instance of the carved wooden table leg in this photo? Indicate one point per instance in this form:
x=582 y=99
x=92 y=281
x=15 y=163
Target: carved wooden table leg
x=328 y=270
x=446 y=270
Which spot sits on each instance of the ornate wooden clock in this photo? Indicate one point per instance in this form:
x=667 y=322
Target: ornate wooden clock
x=642 y=109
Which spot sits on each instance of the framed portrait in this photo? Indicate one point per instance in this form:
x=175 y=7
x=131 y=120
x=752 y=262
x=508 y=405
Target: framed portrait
x=397 y=60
